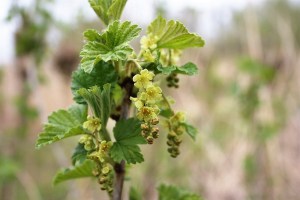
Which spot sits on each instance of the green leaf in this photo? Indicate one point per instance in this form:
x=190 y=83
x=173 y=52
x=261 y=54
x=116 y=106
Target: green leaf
x=62 y=124
x=92 y=35
x=79 y=155
x=173 y=34
x=112 y=44
x=190 y=130
x=80 y=171
x=108 y=10
x=102 y=73
x=116 y=9
x=130 y=153
x=166 y=70
x=105 y=103
x=127 y=134
x=186 y=69
x=172 y=192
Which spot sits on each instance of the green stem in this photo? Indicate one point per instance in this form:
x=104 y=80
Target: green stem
x=168 y=103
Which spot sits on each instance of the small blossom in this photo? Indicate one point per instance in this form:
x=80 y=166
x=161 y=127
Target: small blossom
x=149 y=42
x=147 y=113
x=92 y=124
x=153 y=93
x=105 y=170
x=148 y=56
x=105 y=146
x=138 y=103
x=143 y=79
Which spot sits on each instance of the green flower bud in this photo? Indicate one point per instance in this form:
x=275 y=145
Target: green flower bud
x=150 y=139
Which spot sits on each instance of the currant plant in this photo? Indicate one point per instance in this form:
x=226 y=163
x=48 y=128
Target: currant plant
x=112 y=77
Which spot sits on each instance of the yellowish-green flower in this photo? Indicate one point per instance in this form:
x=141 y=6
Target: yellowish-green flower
x=105 y=146
x=137 y=102
x=147 y=113
x=148 y=56
x=92 y=124
x=143 y=79
x=105 y=169
x=152 y=94
x=179 y=117
x=149 y=42
x=87 y=140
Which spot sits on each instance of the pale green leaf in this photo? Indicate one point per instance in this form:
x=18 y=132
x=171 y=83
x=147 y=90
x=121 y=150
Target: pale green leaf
x=116 y=9
x=80 y=171
x=62 y=124
x=112 y=44
x=108 y=10
x=173 y=34
x=190 y=130
x=101 y=74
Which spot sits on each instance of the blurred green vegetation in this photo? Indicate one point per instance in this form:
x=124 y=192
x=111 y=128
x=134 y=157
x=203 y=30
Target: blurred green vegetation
x=242 y=101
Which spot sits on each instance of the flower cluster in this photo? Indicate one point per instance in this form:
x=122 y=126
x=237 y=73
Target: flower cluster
x=105 y=172
x=146 y=103
x=148 y=45
x=92 y=124
x=176 y=129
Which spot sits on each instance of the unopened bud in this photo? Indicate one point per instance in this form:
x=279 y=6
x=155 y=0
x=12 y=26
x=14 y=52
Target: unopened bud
x=150 y=139
x=155 y=121
x=144 y=127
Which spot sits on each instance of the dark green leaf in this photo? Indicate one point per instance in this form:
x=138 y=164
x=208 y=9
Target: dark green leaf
x=80 y=171
x=102 y=73
x=166 y=70
x=130 y=153
x=62 y=124
x=128 y=132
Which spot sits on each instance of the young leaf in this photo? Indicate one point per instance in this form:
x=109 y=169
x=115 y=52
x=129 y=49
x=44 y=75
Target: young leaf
x=116 y=9
x=79 y=155
x=173 y=34
x=99 y=100
x=102 y=73
x=62 y=124
x=127 y=134
x=171 y=192
x=108 y=10
x=80 y=171
x=111 y=45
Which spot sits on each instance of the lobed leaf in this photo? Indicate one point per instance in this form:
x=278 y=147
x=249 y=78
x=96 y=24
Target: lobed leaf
x=62 y=124
x=80 y=171
x=173 y=34
x=112 y=44
x=102 y=73
x=130 y=153
x=79 y=154
x=186 y=69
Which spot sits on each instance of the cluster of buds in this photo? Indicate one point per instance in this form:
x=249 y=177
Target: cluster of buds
x=146 y=103
x=176 y=129
x=105 y=172
x=88 y=142
x=172 y=80
x=148 y=45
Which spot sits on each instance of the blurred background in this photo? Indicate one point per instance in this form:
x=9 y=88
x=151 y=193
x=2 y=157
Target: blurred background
x=245 y=101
